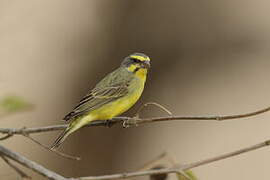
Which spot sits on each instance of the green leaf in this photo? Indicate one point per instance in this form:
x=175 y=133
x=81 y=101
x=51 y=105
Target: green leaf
x=189 y=173
x=11 y=104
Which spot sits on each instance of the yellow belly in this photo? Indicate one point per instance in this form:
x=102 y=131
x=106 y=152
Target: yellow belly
x=119 y=106
x=115 y=108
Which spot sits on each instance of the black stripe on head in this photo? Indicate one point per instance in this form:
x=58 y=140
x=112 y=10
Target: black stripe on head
x=135 y=58
x=137 y=69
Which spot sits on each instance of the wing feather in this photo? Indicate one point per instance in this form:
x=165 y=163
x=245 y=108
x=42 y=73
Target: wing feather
x=97 y=98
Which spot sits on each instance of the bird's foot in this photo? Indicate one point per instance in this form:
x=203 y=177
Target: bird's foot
x=131 y=122
x=109 y=123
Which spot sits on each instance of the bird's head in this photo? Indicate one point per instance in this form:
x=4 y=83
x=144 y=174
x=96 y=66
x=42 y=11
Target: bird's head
x=137 y=63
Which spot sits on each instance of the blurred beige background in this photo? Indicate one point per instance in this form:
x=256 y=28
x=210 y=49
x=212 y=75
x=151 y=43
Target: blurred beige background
x=208 y=57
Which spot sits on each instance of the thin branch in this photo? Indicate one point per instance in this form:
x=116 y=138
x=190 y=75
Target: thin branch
x=6 y=137
x=24 y=130
x=30 y=164
x=136 y=122
x=156 y=164
x=52 y=150
x=131 y=121
x=227 y=155
x=20 y=172
x=177 y=168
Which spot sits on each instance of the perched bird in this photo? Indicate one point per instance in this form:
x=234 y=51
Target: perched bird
x=113 y=95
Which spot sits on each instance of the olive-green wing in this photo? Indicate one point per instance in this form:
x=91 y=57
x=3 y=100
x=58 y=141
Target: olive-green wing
x=97 y=98
x=111 y=88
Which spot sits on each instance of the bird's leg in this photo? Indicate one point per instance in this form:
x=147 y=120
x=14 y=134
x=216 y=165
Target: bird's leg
x=109 y=123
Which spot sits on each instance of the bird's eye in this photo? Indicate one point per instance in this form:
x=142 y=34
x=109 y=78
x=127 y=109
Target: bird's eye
x=136 y=60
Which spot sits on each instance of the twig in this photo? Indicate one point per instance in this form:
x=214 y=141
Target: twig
x=20 y=172
x=52 y=150
x=155 y=164
x=131 y=121
x=154 y=104
x=30 y=164
x=134 y=121
x=6 y=137
x=47 y=128
x=176 y=168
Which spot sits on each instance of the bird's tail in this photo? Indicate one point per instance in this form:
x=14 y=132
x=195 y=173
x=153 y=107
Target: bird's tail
x=61 y=138
x=73 y=126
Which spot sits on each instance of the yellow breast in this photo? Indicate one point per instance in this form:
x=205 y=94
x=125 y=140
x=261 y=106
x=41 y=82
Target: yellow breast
x=141 y=73
x=121 y=105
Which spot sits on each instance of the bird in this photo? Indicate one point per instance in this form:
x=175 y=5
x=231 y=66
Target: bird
x=113 y=95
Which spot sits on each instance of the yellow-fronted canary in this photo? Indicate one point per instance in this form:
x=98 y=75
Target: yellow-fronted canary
x=113 y=95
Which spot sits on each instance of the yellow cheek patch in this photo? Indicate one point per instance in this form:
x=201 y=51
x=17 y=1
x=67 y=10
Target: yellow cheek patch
x=141 y=58
x=139 y=72
x=132 y=67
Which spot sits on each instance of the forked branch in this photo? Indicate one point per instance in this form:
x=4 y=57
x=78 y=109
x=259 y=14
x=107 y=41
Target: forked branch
x=176 y=169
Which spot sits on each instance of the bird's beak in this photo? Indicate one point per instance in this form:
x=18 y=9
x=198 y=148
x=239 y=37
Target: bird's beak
x=146 y=64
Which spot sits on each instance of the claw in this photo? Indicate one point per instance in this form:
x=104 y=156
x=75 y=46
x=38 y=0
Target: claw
x=130 y=122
